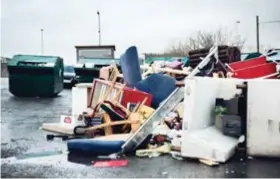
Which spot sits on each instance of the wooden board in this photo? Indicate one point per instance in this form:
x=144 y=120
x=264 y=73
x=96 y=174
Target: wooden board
x=57 y=128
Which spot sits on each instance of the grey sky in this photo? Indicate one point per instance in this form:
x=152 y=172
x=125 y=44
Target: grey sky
x=151 y=25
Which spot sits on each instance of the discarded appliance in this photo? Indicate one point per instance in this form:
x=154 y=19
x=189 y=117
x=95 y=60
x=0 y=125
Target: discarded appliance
x=228 y=116
x=200 y=138
x=35 y=76
x=263 y=120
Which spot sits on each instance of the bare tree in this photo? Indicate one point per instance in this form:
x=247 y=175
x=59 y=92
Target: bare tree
x=203 y=39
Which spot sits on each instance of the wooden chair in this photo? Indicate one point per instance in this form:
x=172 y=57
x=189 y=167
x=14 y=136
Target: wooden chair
x=131 y=122
x=91 y=110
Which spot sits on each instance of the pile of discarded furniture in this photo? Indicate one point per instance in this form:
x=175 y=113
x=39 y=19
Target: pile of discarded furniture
x=206 y=110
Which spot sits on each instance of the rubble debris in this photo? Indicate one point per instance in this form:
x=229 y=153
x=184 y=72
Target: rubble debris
x=226 y=54
x=157 y=117
x=51 y=137
x=111 y=156
x=208 y=162
x=176 y=155
x=154 y=152
x=110 y=163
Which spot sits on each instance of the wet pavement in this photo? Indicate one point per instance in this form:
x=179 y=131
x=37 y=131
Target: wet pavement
x=20 y=134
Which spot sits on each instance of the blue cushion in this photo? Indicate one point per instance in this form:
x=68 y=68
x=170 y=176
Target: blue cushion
x=97 y=147
x=131 y=67
x=159 y=85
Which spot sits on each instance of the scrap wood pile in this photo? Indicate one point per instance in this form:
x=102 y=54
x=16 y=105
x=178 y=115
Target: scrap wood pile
x=124 y=114
x=226 y=54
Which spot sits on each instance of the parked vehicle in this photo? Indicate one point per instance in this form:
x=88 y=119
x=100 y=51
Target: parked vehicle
x=69 y=75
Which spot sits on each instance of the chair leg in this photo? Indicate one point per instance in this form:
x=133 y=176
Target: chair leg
x=108 y=130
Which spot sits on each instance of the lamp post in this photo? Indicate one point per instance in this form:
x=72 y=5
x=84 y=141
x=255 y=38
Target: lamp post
x=42 y=41
x=237 y=29
x=99 y=30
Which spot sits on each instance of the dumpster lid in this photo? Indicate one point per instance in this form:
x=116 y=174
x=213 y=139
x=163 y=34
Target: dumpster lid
x=47 y=61
x=35 y=63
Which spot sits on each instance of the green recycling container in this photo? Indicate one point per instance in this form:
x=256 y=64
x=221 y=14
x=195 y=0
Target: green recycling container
x=35 y=76
x=88 y=69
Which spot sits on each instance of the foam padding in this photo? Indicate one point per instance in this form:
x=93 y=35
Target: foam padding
x=160 y=86
x=96 y=147
x=131 y=67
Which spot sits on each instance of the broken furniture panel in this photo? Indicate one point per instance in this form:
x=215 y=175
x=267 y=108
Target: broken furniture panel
x=208 y=143
x=129 y=95
x=263 y=118
x=253 y=68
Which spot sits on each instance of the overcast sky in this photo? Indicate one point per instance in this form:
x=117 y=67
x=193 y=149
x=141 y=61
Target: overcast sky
x=151 y=25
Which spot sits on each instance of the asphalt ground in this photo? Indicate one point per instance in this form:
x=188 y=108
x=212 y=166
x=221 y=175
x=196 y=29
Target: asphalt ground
x=20 y=134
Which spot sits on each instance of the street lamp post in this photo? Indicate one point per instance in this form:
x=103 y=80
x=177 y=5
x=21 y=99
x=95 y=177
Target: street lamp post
x=42 y=41
x=237 y=29
x=99 y=30
x=258 y=33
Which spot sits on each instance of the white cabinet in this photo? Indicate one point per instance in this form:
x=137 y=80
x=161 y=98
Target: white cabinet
x=80 y=97
x=263 y=118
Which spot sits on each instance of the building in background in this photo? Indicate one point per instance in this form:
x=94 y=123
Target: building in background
x=4 y=69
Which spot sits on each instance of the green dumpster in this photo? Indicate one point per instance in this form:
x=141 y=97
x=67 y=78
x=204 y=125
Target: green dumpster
x=35 y=76
x=247 y=56
x=88 y=69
